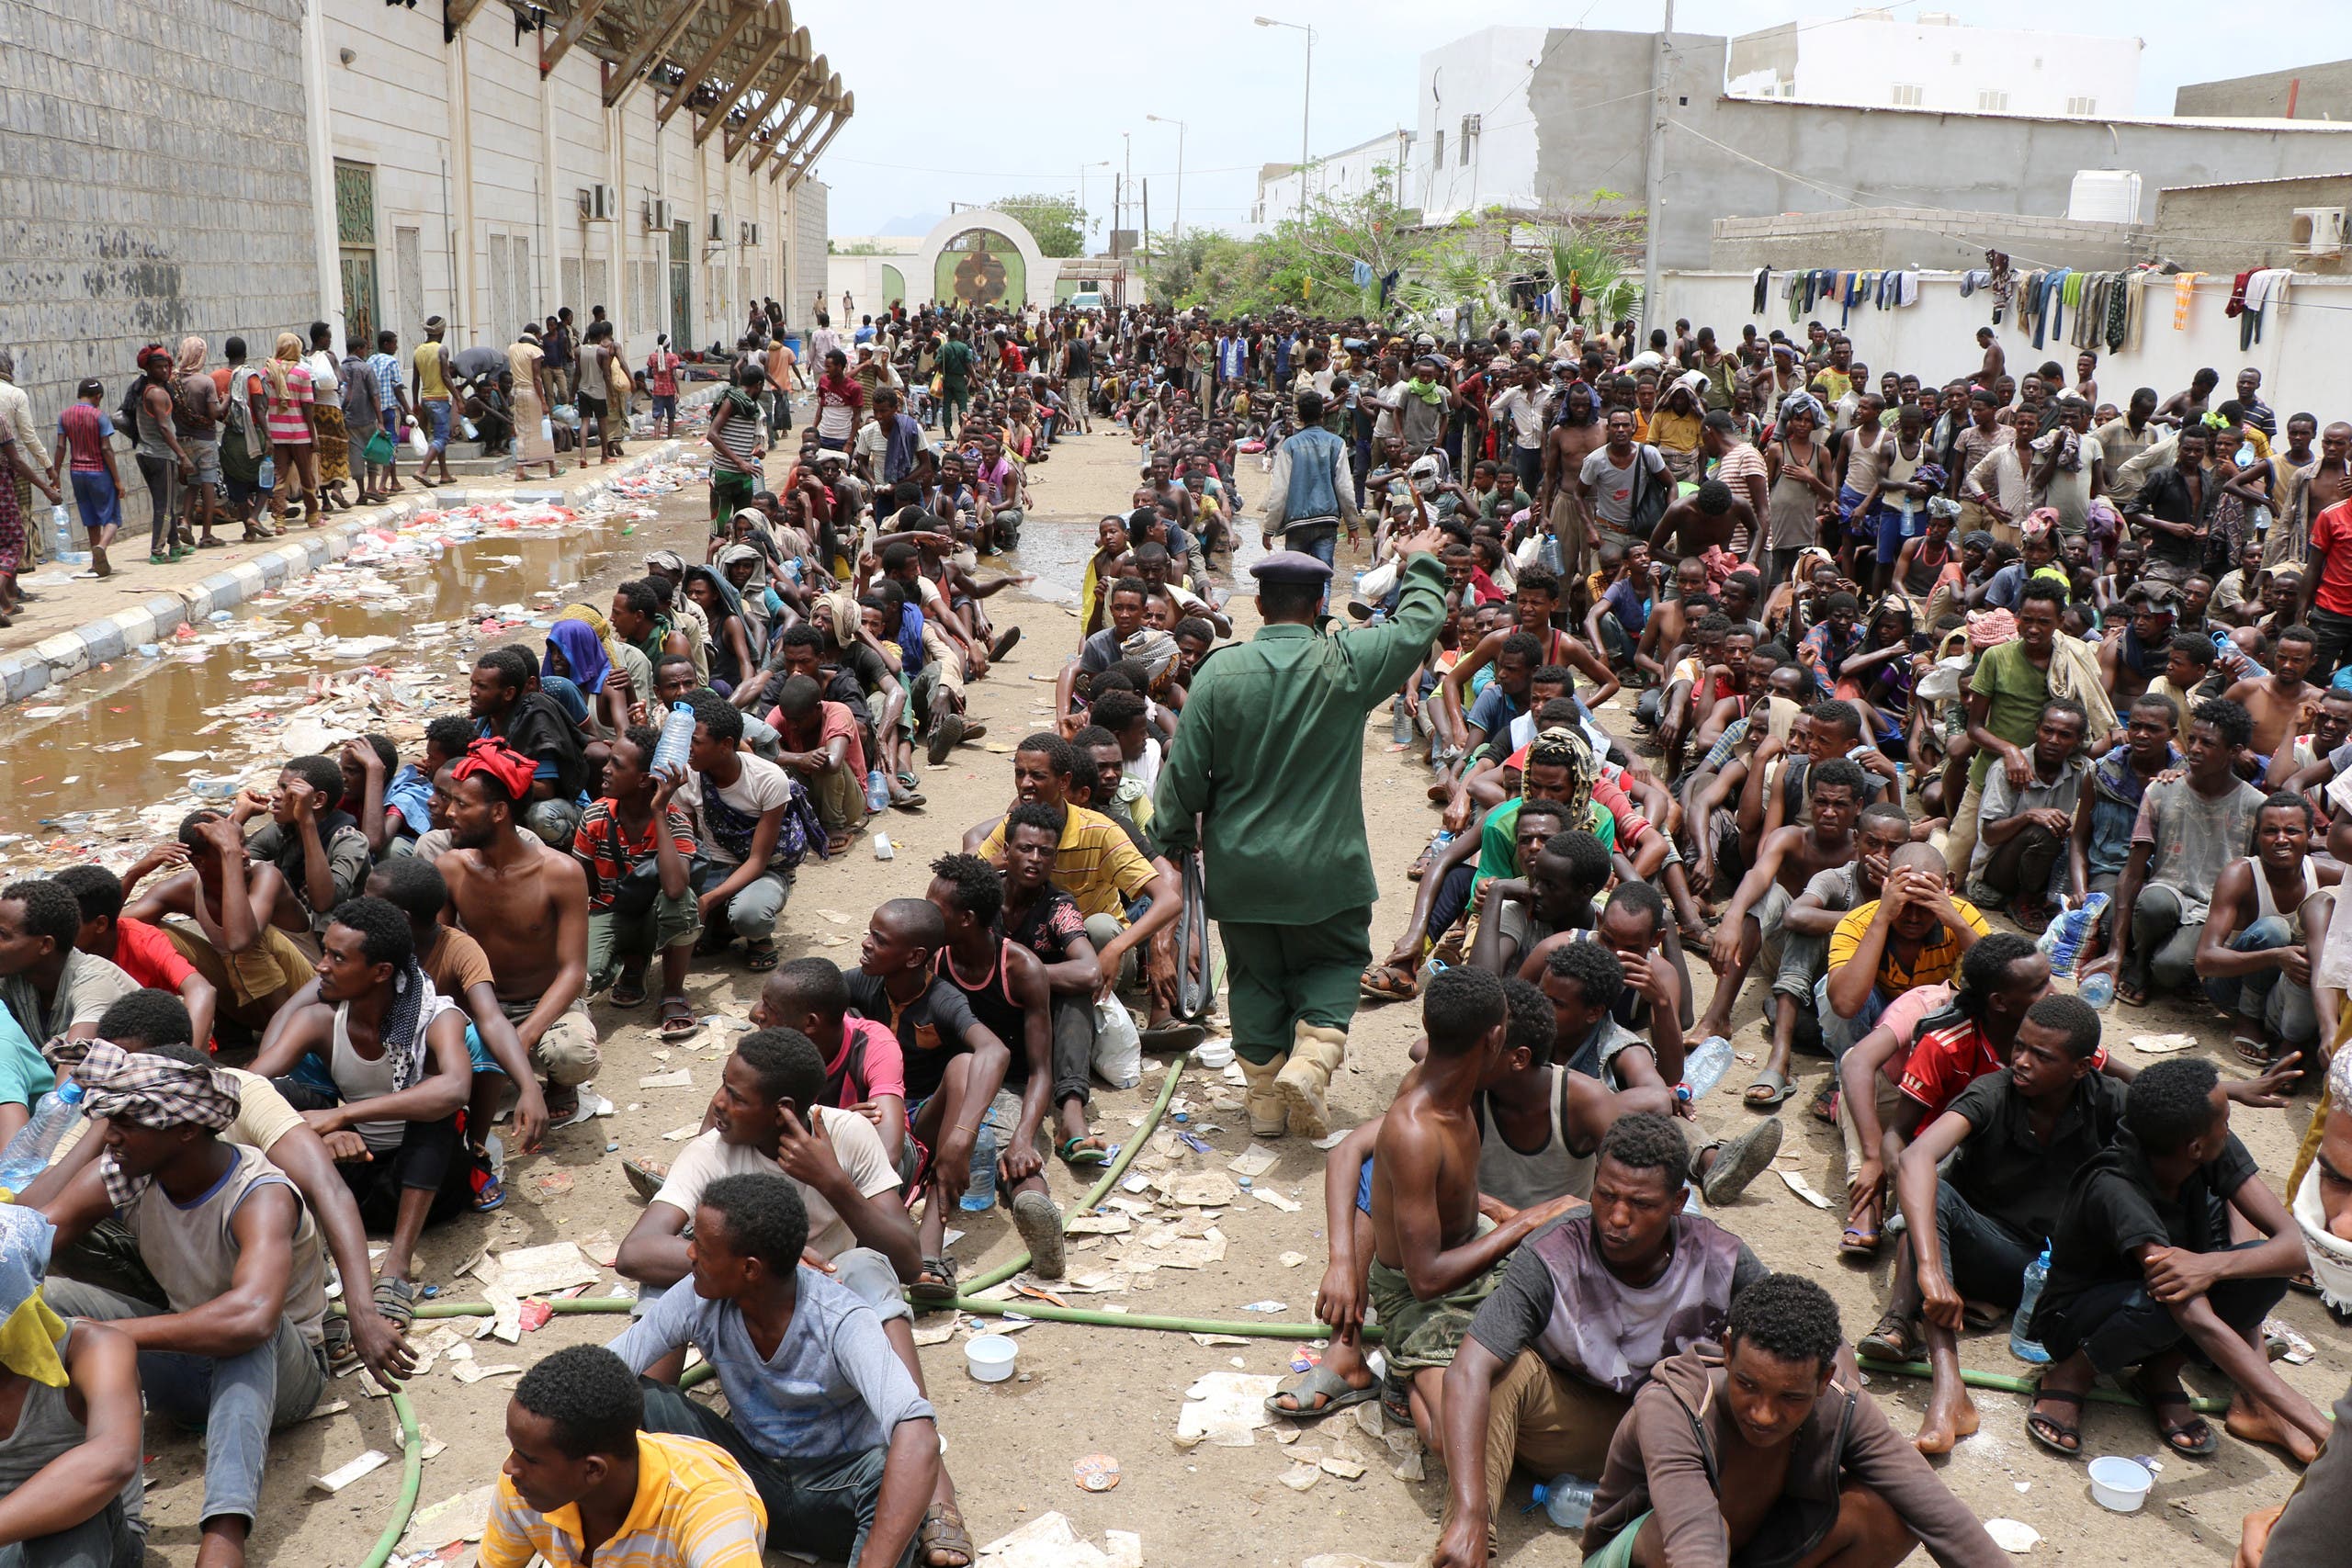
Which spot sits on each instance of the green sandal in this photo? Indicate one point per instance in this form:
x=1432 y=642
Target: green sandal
x=1086 y=1150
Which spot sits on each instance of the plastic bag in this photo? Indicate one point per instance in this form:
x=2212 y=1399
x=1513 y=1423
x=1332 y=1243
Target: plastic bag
x=2062 y=939
x=416 y=441
x=1118 y=1049
x=1373 y=585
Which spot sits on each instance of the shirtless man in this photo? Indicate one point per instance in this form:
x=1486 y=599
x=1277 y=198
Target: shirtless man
x=1672 y=621
x=1534 y=603
x=1580 y=433
x=1707 y=520
x=1435 y=1257
x=527 y=905
x=1786 y=860
x=1995 y=361
x=2282 y=701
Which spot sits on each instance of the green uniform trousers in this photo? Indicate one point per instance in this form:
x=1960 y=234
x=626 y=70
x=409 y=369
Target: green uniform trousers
x=1277 y=976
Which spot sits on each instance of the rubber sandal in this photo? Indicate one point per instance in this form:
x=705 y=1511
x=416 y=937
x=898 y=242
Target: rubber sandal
x=490 y=1195
x=677 y=1019
x=396 y=1302
x=1389 y=983
x=1173 y=1037
x=1857 y=1242
x=1824 y=1107
x=760 y=957
x=2251 y=1050
x=628 y=992
x=1893 y=1339
x=1335 y=1390
x=1396 y=1399
x=592 y=1105
x=1739 y=1161
x=1088 y=1151
x=943 y=1540
x=1003 y=645
x=2200 y=1448
x=936 y=1283
x=912 y=801
x=1040 y=1224
x=944 y=737
x=646 y=1177
x=1777 y=1088
x=2051 y=1432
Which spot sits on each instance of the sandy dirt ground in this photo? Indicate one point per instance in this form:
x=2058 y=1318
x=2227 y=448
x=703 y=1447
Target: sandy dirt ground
x=1085 y=1391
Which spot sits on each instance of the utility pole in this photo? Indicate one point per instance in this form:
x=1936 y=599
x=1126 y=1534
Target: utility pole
x=1655 y=166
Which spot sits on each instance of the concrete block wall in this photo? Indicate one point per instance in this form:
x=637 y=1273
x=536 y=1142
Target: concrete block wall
x=155 y=182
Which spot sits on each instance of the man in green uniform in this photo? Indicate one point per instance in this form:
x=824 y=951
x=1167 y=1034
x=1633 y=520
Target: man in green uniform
x=1265 y=776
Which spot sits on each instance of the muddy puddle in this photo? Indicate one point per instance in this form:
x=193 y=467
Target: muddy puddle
x=380 y=642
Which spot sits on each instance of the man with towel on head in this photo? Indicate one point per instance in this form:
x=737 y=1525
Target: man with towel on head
x=236 y=1348
x=1265 y=778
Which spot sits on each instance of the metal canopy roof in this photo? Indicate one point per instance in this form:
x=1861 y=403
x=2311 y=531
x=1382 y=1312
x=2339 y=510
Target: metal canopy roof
x=738 y=69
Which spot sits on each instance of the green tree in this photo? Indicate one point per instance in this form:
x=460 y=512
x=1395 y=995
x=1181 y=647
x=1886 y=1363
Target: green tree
x=1056 y=223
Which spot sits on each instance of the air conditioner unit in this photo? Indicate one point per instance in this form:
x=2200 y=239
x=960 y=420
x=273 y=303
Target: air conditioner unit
x=597 y=203
x=747 y=235
x=718 y=230
x=2318 y=230
x=657 y=215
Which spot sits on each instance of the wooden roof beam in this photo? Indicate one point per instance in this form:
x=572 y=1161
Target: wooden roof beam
x=826 y=104
x=696 y=74
x=790 y=87
x=801 y=111
x=775 y=48
x=575 y=27
x=807 y=160
x=650 y=47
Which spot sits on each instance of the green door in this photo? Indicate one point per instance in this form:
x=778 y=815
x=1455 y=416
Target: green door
x=682 y=287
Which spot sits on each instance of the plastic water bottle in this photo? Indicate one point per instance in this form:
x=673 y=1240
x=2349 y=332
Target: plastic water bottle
x=979 y=1192
x=1400 y=728
x=1566 y=1498
x=267 y=477
x=2025 y=1348
x=2097 y=989
x=27 y=1154
x=1704 y=1068
x=877 y=790
x=677 y=735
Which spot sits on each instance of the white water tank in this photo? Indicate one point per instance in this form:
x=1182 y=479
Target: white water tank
x=2104 y=196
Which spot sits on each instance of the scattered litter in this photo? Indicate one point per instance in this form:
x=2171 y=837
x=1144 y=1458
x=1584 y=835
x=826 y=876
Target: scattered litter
x=1803 y=1189
x=1253 y=1161
x=1051 y=1542
x=1098 y=1224
x=683 y=1079
x=461 y=1518
x=2013 y=1535
x=1212 y=1340
x=2157 y=1044
x=554 y=1184
x=1331 y=1141
x=539 y=1270
x=2299 y=1351
x=1200 y=1189
x=1299 y=1477
x=599 y=1248
x=1343 y=1467
x=1096 y=1472
x=1225 y=1409
x=936 y=1329
x=473 y=1372
x=1292 y=1259
x=335 y=1480
x=679 y=1135
x=1267 y=1306
x=335 y=1407
x=1272 y=1199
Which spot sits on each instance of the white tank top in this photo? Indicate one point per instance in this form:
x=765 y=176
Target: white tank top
x=2264 y=907
x=356 y=1078
x=1523 y=1180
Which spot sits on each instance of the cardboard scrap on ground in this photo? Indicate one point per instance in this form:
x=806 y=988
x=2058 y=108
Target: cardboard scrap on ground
x=1200 y=1189
x=1803 y=1189
x=1225 y=1409
x=1098 y=1224
x=461 y=1518
x=2158 y=1045
x=683 y=1079
x=335 y=1480
x=1051 y=1542
x=1252 y=1162
x=539 y=1270
x=1272 y=1199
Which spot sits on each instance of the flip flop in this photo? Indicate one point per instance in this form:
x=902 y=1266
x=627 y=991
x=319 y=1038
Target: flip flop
x=1981 y=1315
x=1824 y=1107
x=1776 y=1086
x=1173 y=1037
x=592 y=1105
x=2051 y=1432
x=936 y=1284
x=646 y=1177
x=1389 y=983
x=1087 y=1151
x=1317 y=1381
x=760 y=957
x=1003 y=645
x=2172 y=1433
x=1858 y=1242
x=2251 y=1050
x=677 y=1019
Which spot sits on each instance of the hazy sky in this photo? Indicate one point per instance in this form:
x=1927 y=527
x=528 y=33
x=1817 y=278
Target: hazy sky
x=959 y=105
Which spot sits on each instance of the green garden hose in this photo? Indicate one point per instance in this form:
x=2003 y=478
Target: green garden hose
x=411 y=1482
x=2004 y=1382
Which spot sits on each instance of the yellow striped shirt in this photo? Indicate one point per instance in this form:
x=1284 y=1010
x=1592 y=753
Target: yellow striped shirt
x=694 y=1508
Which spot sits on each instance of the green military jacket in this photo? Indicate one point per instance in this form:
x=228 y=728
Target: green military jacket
x=1268 y=756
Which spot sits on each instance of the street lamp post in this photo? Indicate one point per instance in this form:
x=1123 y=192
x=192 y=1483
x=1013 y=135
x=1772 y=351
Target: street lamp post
x=1178 y=231
x=1306 y=106
x=1098 y=163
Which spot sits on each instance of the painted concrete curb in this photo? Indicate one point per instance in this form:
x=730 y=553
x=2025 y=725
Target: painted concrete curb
x=59 y=657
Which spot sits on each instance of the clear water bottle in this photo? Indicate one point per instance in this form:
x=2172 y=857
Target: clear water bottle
x=2021 y=1344
x=877 y=790
x=677 y=735
x=979 y=1192
x=1704 y=1068
x=1400 y=728
x=2098 y=990
x=267 y=477
x=29 y=1152
x=1566 y=1498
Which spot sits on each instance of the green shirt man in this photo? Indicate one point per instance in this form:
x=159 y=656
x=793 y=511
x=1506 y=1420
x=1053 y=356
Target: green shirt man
x=1265 y=778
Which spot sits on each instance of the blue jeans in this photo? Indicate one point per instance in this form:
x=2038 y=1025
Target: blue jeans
x=1838 y=1033
x=234 y=1402
x=105 y=1540
x=436 y=422
x=821 y=1506
x=2267 y=995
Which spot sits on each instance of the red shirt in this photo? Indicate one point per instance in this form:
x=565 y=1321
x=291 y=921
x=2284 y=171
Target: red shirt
x=147 y=955
x=2332 y=542
x=1947 y=1060
x=871 y=1063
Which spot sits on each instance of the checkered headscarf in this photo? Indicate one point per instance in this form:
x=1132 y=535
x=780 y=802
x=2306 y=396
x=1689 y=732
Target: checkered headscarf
x=154 y=1092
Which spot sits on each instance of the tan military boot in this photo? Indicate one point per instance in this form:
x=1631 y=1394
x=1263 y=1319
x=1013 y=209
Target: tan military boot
x=1263 y=1098
x=1316 y=1054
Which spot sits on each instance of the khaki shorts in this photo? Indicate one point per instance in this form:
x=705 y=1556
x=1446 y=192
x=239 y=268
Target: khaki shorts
x=567 y=1053
x=274 y=967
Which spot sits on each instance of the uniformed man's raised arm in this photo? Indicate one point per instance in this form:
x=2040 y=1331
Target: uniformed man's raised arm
x=1379 y=658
